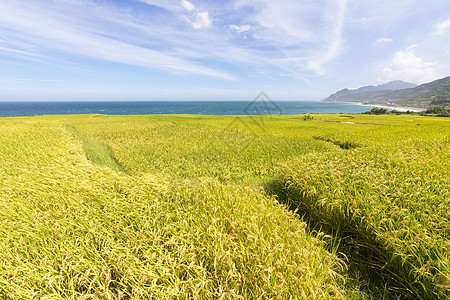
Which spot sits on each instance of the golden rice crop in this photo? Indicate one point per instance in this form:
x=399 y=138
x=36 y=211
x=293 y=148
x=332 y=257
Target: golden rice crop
x=73 y=230
x=395 y=198
x=171 y=206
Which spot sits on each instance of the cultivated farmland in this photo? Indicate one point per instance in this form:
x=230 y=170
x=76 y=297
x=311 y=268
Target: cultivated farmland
x=204 y=207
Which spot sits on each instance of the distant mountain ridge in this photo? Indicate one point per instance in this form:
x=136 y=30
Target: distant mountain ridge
x=436 y=93
x=390 y=86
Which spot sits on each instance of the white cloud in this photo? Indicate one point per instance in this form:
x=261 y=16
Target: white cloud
x=442 y=27
x=384 y=40
x=197 y=19
x=202 y=20
x=241 y=28
x=407 y=66
x=187 y=5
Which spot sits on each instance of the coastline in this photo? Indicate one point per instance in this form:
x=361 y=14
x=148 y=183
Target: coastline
x=399 y=108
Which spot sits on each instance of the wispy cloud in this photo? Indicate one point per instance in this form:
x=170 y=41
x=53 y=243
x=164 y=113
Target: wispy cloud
x=384 y=40
x=52 y=30
x=235 y=39
x=442 y=28
x=17 y=51
x=197 y=18
x=386 y=14
x=307 y=35
x=169 y=5
x=29 y=79
x=334 y=47
x=282 y=22
x=239 y=29
x=154 y=40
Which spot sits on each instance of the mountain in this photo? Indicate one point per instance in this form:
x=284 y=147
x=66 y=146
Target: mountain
x=396 y=85
x=436 y=93
x=390 y=86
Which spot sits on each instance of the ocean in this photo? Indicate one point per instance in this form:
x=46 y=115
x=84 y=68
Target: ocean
x=21 y=108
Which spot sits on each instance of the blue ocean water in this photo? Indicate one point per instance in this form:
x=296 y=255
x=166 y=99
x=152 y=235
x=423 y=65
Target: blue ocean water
x=20 y=108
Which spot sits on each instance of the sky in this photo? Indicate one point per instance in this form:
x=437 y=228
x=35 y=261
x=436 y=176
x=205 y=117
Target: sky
x=62 y=50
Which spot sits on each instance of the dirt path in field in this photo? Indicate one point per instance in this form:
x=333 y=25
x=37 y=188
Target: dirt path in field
x=346 y=122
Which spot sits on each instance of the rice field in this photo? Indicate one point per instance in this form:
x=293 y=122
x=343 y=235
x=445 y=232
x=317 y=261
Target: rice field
x=179 y=206
x=70 y=229
x=393 y=198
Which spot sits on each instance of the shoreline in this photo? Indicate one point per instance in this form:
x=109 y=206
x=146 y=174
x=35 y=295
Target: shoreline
x=399 y=108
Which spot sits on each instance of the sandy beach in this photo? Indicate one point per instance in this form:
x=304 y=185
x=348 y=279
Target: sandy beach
x=399 y=108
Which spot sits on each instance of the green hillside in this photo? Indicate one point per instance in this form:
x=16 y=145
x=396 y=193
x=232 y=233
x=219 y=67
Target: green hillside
x=212 y=207
x=436 y=93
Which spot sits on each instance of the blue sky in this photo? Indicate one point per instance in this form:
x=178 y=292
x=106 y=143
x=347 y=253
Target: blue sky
x=216 y=50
